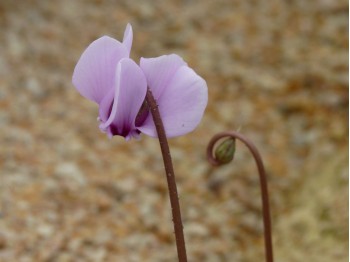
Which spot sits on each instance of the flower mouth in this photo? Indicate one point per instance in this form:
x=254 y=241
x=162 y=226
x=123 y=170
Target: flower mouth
x=124 y=129
x=113 y=129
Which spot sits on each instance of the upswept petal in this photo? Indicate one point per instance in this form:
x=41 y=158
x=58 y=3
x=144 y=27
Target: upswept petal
x=160 y=70
x=106 y=106
x=130 y=92
x=128 y=36
x=181 y=104
x=94 y=73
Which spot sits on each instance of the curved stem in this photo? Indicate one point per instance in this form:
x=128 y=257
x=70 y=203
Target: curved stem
x=170 y=175
x=263 y=183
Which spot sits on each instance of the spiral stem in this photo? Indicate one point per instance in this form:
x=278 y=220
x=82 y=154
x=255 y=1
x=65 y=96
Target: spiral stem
x=263 y=183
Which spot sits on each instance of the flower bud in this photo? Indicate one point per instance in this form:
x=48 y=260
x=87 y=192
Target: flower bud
x=224 y=153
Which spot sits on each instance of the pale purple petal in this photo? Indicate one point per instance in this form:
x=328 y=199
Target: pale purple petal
x=160 y=70
x=181 y=104
x=94 y=73
x=128 y=35
x=130 y=92
x=106 y=106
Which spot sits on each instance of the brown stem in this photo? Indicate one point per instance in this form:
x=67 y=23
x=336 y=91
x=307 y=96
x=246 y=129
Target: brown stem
x=263 y=183
x=170 y=175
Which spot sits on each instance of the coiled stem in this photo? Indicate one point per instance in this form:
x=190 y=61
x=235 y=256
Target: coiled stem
x=263 y=182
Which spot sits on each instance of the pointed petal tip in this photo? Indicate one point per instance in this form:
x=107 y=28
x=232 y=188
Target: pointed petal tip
x=94 y=72
x=128 y=37
x=128 y=27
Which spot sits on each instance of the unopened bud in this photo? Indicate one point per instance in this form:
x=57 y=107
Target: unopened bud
x=224 y=153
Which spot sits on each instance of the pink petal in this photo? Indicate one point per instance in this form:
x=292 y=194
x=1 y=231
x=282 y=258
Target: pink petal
x=181 y=104
x=129 y=94
x=106 y=106
x=127 y=40
x=94 y=73
x=160 y=70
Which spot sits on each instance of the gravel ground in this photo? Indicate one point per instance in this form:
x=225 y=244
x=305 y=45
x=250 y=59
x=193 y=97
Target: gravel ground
x=276 y=69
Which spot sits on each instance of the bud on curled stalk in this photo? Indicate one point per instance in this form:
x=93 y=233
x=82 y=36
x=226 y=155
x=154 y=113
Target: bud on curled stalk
x=224 y=153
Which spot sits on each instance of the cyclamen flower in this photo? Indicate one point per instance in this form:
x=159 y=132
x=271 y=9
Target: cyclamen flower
x=106 y=75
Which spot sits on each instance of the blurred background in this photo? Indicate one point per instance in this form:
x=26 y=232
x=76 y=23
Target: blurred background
x=278 y=70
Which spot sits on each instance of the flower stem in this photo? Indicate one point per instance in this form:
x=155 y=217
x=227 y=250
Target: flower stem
x=170 y=175
x=263 y=183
